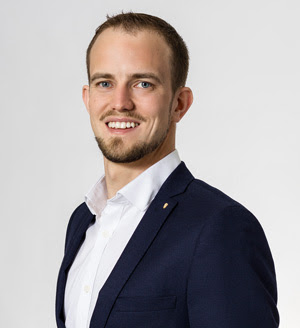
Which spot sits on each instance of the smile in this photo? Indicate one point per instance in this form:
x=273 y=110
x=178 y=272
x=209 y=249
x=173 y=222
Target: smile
x=122 y=125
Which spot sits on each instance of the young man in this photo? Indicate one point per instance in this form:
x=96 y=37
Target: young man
x=151 y=246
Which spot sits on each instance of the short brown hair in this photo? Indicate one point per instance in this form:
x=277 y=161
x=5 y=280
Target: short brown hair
x=131 y=22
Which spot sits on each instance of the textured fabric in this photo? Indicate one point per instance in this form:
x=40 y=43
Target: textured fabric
x=202 y=260
x=116 y=220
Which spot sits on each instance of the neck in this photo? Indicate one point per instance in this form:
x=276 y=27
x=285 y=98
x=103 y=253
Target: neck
x=117 y=175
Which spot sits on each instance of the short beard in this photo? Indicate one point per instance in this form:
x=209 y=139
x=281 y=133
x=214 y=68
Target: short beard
x=112 y=150
x=138 y=151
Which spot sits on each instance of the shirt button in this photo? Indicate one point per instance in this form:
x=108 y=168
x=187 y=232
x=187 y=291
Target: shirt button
x=105 y=234
x=86 y=289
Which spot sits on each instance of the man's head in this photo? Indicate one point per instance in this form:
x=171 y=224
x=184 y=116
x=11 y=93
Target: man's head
x=132 y=99
x=134 y=22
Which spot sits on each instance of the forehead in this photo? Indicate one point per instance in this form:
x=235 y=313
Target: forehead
x=120 y=50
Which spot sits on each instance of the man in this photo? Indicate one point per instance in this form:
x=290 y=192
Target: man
x=152 y=246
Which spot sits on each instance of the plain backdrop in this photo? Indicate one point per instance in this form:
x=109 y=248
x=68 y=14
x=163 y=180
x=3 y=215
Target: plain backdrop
x=241 y=135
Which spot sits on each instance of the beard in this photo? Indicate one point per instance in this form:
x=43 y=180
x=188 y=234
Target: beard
x=115 y=148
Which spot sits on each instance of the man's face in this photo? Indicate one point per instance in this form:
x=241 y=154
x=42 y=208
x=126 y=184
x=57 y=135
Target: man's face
x=130 y=98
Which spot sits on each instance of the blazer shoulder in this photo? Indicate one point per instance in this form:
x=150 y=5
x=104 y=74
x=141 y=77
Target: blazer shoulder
x=205 y=190
x=204 y=204
x=201 y=195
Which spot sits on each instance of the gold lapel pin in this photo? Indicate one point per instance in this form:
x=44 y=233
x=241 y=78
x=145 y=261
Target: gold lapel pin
x=166 y=205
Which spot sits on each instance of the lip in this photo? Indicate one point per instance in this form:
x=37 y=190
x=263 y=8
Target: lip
x=120 y=119
x=120 y=131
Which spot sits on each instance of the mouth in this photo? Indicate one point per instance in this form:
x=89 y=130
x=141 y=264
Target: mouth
x=122 y=125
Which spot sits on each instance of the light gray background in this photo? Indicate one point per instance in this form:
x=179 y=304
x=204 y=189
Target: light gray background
x=241 y=134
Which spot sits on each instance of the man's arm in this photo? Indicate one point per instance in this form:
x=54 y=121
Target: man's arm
x=232 y=278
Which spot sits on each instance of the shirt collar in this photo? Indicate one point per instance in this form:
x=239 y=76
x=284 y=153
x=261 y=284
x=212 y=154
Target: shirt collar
x=96 y=198
x=139 y=192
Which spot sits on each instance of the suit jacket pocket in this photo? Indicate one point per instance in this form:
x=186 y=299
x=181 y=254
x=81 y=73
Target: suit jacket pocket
x=143 y=304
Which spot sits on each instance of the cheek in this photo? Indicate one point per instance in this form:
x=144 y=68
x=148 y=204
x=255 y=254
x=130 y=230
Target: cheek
x=154 y=108
x=159 y=120
x=97 y=103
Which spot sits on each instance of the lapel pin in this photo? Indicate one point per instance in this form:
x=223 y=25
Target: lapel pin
x=166 y=204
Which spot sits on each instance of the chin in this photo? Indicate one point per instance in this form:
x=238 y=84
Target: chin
x=114 y=150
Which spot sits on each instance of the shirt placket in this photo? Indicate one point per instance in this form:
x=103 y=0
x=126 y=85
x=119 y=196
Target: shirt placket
x=108 y=221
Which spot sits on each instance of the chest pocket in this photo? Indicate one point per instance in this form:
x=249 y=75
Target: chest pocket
x=144 y=304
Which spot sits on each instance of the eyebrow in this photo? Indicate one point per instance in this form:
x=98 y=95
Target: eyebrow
x=152 y=76
x=97 y=76
x=146 y=76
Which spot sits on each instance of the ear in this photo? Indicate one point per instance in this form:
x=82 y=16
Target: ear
x=86 y=97
x=184 y=100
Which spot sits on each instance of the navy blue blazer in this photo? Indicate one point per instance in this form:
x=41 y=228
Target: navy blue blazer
x=201 y=261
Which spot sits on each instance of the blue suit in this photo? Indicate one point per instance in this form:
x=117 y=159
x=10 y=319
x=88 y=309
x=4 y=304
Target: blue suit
x=197 y=259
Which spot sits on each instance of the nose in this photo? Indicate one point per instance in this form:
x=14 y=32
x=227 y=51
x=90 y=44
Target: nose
x=121 y=99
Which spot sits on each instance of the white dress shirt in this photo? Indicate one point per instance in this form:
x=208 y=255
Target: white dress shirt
x=116 y=220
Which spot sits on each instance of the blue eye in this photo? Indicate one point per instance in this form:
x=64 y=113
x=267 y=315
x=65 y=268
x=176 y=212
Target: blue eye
x=145 y=85
x=104 y=84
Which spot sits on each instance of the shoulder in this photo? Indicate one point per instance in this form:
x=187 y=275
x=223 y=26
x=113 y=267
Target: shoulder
x=224 y=225
x=211 y=195
x=220 y=221
x=211 y=204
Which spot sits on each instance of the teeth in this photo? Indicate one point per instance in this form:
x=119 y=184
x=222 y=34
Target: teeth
x=122 y=125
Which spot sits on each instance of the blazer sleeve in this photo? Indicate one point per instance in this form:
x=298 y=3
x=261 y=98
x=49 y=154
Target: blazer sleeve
x=232 y=280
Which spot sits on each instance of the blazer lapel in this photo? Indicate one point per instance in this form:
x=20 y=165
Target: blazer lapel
x=145 y=233
x=85 y=219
